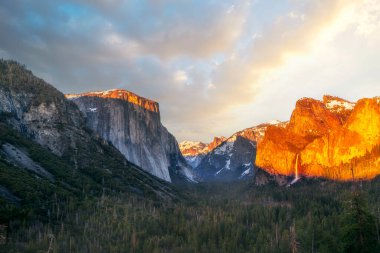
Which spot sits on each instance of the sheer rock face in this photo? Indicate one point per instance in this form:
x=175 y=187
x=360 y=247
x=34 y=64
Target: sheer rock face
x=132 y=124
x=334 y=139
x=351 y=151
x=231 y=160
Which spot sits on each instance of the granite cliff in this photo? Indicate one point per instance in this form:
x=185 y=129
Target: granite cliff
x=333 y=138
x=132 y=124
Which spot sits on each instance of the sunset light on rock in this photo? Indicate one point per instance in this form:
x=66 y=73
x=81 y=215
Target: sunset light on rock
x=202 y=126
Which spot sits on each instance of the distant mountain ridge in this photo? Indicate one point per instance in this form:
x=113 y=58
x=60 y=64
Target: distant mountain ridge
x=227 y=159
x=195 y=151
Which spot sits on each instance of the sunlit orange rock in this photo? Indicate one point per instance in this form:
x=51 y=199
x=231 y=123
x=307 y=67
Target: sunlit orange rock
x=276 y=153
x=342 y=153
x=192 y=148
x=123 y=95
x=340 y=107
x=216 y=142
x=334 y=139
x=312 y=119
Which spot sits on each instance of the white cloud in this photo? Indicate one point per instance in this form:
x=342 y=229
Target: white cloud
x=368 y=17
x=180 y=76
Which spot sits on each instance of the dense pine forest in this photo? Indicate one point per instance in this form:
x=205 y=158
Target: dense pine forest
x=312 y=216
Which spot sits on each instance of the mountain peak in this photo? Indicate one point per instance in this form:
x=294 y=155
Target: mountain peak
x=216 y=142
x=191 y=148
x=122 y=95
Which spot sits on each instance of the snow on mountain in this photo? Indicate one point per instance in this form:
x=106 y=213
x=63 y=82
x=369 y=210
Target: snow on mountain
x=338 y=104
x=191 y=148
x=194 y=151
x=225 y=147
x=233 y=158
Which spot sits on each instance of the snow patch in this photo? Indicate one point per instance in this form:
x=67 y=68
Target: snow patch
x=246 y=172
x=226 y=147
x=99 y=93
x=104 y=93
x=92 y=109
x=192 y=148
x=217 y=173
x=340 y=105
x=227 y=166
x=193 y=161
x=274 y=122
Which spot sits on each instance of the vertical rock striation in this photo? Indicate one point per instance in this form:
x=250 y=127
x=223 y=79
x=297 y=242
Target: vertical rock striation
x=132 y=124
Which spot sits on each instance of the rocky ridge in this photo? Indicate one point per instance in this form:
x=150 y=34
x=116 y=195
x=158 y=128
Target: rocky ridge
x=230 y=158
x=194 y=151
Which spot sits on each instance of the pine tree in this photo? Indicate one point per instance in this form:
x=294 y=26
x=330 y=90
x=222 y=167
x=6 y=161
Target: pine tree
x=359 y=232
x=294 y=244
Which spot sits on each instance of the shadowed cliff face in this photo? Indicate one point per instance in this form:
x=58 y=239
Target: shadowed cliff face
x=132 y=124
x=38 y=110
x=335 y=139
x=226 y=159
x=231 y=160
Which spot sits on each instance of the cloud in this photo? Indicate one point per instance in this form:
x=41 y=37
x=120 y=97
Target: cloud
x=236 y=80
x=202 y=60
x=170 y=29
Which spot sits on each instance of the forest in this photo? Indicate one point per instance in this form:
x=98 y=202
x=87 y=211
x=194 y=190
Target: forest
x=311 y=216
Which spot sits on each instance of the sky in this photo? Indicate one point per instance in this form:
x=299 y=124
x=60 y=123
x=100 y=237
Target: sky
x=214 y=66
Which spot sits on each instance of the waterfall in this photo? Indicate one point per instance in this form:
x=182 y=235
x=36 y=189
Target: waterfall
x=297 y=177
x=296 y=168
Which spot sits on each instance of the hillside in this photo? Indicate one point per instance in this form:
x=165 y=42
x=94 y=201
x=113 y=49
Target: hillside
x=47 y=151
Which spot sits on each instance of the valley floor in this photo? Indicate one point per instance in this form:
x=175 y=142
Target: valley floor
x=312 y=216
